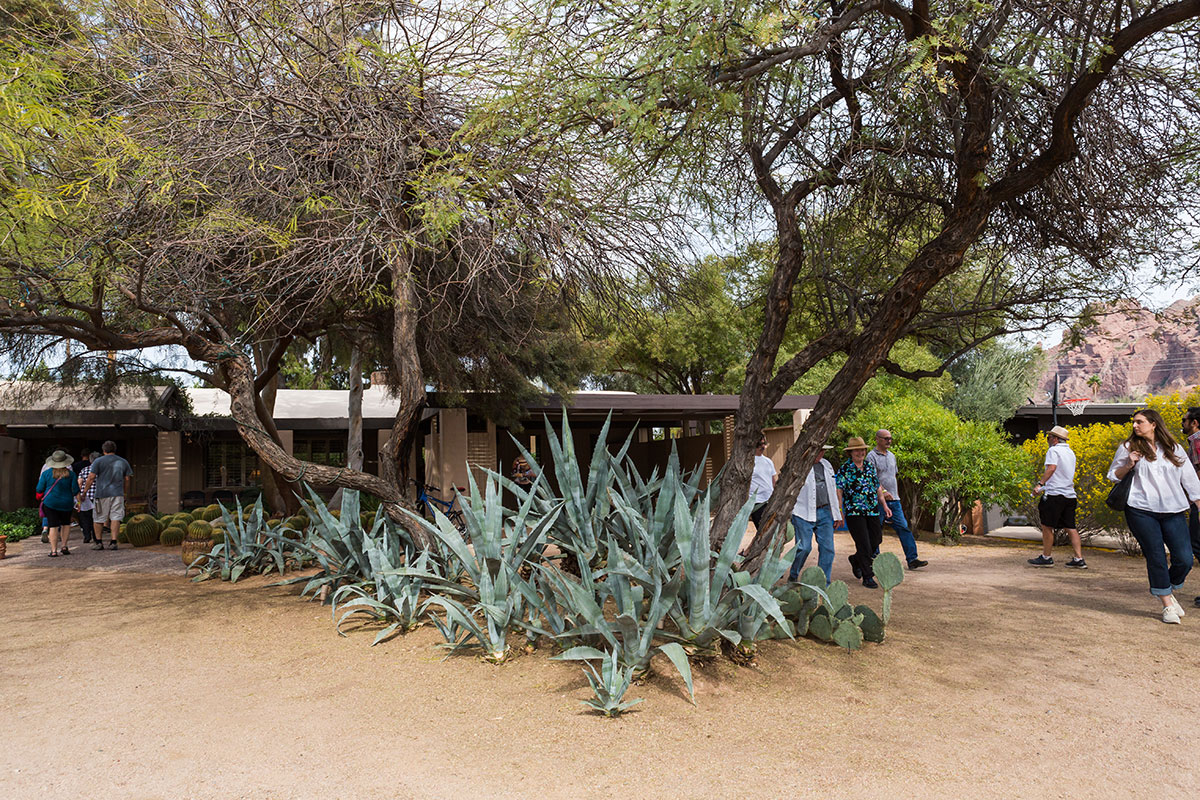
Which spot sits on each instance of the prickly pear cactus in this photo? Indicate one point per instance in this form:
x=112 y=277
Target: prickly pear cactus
x=872 y=626
x=888 y=571
x=821 y=625
x=848 y=634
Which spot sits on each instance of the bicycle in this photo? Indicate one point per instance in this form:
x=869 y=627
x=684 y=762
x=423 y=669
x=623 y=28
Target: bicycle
x=427 y=503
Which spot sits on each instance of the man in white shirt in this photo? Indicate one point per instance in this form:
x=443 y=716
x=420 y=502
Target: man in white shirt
x=1057 y=506
x=817 y=511
x=762 y=482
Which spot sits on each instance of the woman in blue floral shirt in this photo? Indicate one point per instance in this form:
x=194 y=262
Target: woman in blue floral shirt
x=862 y=497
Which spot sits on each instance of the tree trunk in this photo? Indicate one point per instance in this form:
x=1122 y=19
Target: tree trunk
x=354 y=439
x=408 y=379
x=936 y=260
x=239 y=378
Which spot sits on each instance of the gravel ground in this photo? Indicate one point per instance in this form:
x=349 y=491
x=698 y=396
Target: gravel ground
x=996 y=680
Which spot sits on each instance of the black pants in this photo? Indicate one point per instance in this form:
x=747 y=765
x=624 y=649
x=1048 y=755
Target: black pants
x=867 y=534
x=86 y=524
x=1194 y=529
x=756 y=514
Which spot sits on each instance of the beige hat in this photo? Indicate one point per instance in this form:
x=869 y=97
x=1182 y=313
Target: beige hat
x=1060 y=432
x=59 y=459
x=856 y=443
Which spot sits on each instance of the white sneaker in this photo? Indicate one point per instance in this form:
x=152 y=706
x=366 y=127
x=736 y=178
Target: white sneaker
x=1170 y=615
x=1178 y=608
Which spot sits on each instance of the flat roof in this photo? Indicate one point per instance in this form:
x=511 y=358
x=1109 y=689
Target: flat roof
x=50 y=405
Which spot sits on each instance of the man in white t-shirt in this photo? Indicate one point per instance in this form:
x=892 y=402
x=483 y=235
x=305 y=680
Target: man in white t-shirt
x=762 y=482
x=1057 y=506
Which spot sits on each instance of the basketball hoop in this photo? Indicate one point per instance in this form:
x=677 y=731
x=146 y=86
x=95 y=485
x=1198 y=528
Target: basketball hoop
x=1075 y=405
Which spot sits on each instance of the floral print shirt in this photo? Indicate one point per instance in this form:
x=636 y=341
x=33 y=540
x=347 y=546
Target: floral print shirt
x=860 y=487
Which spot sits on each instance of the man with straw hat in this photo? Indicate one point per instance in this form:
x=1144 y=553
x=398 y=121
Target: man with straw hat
x=861 y=496
x=1057 y=507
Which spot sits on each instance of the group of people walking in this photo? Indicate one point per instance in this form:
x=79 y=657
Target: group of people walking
x=863 y=492
x=93 y=487
x=1161 y=508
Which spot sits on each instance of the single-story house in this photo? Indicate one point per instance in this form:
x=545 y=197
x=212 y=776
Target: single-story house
x=186 y=454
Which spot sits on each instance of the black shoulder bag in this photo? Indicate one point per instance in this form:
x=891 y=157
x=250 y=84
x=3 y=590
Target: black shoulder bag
x=1118 y=496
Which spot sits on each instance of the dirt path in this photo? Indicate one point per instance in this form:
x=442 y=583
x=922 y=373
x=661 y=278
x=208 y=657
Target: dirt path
x=997 y=680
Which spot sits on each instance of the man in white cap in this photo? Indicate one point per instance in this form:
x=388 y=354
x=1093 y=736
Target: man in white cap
x=1057 y=506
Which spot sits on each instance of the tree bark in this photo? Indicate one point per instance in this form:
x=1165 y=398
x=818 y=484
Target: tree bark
x=407 y=380
x=354 y=439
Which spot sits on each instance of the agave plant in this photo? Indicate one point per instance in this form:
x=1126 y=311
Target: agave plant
x=248 y=546
x=388 y=596
x=716 y=602
x=496 y=546
x=643 y=597
x=580 y=528
x=337 y=544
x=609 y=685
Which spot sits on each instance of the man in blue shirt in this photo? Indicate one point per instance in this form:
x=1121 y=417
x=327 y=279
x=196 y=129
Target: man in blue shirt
x=111 y=475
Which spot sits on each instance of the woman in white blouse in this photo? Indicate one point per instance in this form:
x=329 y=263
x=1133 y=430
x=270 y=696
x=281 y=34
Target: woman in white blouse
x=1163 y=485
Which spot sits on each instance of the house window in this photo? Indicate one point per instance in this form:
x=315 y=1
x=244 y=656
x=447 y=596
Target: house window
x=329 y=452
x=230 y=465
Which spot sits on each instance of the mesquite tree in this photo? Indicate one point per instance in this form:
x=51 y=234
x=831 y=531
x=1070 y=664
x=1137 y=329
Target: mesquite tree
x=944 y=171
x=228 y=177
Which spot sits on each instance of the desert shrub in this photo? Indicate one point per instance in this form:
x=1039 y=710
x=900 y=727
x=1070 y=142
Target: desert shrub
x=946 y=463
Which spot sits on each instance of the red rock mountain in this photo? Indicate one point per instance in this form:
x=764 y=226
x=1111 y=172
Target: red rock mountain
x=1132 y=351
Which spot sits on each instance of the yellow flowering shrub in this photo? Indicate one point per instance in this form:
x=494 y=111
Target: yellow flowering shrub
x=1094 y=446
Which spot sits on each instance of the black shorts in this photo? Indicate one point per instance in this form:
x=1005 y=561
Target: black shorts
x=1057 y=511
x=56 y=518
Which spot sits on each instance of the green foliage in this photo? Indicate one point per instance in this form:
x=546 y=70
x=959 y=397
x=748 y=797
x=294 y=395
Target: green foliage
x=946 y=463
x=20 y=524
x=991 y=383
x=883 y=389
x=682 y=334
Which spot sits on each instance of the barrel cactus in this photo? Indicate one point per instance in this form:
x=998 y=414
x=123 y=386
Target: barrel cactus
x=210 y=513
x=218 y=536
x=197 y=543
x=296 y=523
x=142 y=530
x=172 y=536
x=199 y=530
x=184 y=517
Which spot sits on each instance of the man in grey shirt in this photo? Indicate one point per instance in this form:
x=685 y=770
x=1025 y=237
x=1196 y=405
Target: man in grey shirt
x=111 y=476
x=884 y=462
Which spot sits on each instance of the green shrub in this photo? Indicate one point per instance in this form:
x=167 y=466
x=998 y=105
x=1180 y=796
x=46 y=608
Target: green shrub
x=19 y=524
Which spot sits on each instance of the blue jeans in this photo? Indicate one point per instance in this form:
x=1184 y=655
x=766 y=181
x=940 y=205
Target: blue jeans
x=1153 y=532
x=823 y=528
x=900 y=525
